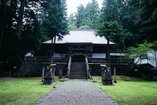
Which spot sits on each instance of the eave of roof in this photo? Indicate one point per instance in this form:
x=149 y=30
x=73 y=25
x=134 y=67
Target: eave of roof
x=82 y=37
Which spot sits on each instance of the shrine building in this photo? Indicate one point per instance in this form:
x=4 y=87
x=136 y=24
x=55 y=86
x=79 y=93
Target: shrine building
x=77 y=55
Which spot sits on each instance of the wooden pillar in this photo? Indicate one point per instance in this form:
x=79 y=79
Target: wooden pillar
x=115 y=79
x=69 y=66
x=108 y=53
x=87 y=67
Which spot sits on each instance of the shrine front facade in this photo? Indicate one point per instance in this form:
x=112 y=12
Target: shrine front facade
x=77 y=55
x=76 y=52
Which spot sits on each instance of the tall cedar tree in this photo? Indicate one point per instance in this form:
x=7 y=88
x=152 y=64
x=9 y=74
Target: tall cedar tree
x=54 y=23
x=80 y=16
x=148 y=23
x=87 y=16
x=91 y=14
x=109 y=26
x=13 y=47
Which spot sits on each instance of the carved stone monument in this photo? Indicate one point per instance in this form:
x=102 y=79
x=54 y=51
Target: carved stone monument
x=106 y=75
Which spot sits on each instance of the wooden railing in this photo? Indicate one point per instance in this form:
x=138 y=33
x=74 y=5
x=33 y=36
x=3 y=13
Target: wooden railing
x=45 y=59
x=113 y=61
x=96 y=60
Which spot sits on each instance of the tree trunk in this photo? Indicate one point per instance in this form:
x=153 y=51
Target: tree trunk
x=123 y=42
x=108 y=52
x=20 y=18
x=11 y=15
x=3 y=22
x=52 y=50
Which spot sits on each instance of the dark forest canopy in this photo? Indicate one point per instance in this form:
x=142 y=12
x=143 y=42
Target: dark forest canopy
x=126 y=22
x=129 y=22
x=24 y=24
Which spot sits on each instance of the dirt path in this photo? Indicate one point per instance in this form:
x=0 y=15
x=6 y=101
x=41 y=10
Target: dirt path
x=76 y=92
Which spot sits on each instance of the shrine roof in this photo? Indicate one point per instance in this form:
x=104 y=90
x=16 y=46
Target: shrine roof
x=81 y=36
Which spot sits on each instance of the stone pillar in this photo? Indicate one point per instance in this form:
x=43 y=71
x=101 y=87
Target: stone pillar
x=106 y=75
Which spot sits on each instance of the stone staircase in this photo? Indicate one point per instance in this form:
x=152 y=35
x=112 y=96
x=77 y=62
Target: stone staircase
x=78 y=70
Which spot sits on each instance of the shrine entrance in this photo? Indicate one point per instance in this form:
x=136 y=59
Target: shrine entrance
x=78 y=58
x=78 y=67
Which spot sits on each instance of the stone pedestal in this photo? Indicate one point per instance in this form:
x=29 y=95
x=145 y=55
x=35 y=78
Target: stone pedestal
x=106 y=75
x=60 y=74
x=47 y=80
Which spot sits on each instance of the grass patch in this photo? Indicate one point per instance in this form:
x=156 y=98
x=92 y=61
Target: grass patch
x=130 y=91
x=22 y=91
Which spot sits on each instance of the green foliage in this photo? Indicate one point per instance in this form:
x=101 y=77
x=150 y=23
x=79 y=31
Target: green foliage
x=86 y=16
x=91 y=14
x=110 y=24
x=84 y=27
x=137 y=19
x=54 y=22
x=148 y=23
x=72 y=22
x=80 y=15
x=24 y=24
x=134 y=52
x=72 y=27
x=110 y=10
x=113 y=31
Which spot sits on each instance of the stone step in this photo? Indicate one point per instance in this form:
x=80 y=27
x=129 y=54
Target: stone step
x=78 y=74
x=78 y=77
x=78 y=70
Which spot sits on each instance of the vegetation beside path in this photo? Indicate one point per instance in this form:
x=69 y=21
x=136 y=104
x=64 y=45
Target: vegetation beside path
x=130 y=91
x=22 y=91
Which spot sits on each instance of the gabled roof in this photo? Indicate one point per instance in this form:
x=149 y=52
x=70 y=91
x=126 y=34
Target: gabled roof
x=81 y=36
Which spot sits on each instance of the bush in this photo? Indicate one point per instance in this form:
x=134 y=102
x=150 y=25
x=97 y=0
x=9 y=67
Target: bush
x=84 y=27
x=72 y=27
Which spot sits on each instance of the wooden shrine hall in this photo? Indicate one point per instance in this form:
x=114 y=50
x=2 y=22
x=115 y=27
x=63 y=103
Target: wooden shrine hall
x=76 y=52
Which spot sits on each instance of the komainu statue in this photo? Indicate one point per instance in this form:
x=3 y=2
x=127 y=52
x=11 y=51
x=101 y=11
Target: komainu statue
x=48 y=74
x=106 y=75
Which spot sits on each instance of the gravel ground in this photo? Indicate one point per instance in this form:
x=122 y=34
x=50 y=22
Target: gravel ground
x=76 y=92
